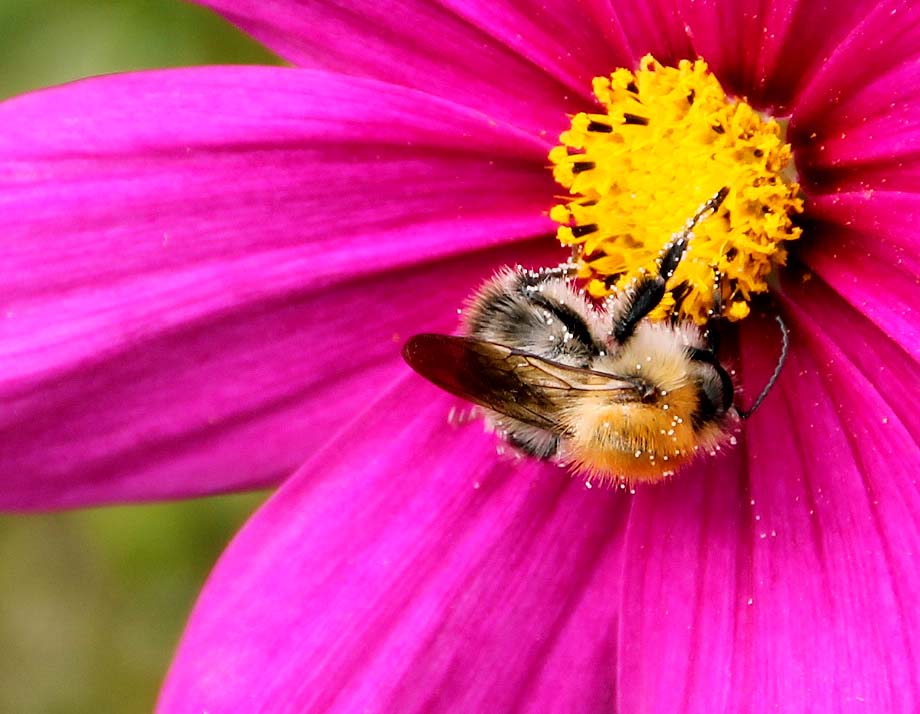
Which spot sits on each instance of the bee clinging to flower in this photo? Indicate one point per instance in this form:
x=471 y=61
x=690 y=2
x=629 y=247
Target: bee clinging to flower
x=605 y=390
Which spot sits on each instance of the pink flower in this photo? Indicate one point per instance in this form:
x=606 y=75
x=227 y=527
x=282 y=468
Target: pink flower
x=207 y=277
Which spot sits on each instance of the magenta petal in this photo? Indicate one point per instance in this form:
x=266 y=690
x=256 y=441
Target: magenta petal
x=763 y=51
x=186 y=254
x=420 y=574
x=870 y=71
x=797 y=39
x=877 y=220
x=416 y=44
x=680 y=594
x=857 y=127
x=234 y=401
x=527 y=66
x=795 y=583
x=570 y=40
x=875 y=275
x=848 y=335
x=870 y=143
x=731 y=37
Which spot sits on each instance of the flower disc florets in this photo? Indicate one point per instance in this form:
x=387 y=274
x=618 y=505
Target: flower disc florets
x=669 y=139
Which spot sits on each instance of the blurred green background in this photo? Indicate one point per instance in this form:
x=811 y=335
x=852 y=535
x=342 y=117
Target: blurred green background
x=93 y=602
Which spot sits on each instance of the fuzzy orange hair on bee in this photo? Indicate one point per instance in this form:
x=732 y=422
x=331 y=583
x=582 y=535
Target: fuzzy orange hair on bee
x=604 y=390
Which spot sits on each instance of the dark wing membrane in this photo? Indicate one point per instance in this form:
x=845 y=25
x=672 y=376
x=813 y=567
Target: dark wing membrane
x=513 y=383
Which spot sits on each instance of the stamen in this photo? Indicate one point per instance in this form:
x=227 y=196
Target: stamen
x=634 y=119
x=579 y=231
x=668 y=139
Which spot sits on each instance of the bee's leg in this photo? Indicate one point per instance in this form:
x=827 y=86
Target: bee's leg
x=649 y=292
x=714 y=325
x=719 y=391
x=529 y=439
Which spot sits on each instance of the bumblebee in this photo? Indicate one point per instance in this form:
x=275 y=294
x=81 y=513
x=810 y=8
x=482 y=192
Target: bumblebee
x=603 y=389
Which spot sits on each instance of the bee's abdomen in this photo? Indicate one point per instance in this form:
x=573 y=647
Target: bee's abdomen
x=633 y=441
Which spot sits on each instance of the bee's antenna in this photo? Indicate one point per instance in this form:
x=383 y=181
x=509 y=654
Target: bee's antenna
x=744 y=414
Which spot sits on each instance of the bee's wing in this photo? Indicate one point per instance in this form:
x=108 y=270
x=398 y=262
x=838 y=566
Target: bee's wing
x=519 y=385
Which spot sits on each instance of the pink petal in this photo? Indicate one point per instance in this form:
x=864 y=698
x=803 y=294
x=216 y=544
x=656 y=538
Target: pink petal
x=729 y=36
x=172 y=291
x=797 y=38
x=866 y=174
x=881 y=362
x=658 y=27
x=741 y=41
x=878 y=153
x=680 y=591
x=526 y=62
x=873 y=218
x=525 y=67
x=858 y=126
x=796 y=582
x=875 y=275
x=420 y=573
x=864 y=75
x=567 y=40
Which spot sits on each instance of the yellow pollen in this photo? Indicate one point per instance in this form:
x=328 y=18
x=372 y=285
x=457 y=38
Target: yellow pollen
x=668 y=141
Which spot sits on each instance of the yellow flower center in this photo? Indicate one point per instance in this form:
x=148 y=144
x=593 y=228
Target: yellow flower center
x=671 y=139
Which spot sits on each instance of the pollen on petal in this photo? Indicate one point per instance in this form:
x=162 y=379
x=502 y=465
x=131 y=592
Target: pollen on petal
x=668 y=140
